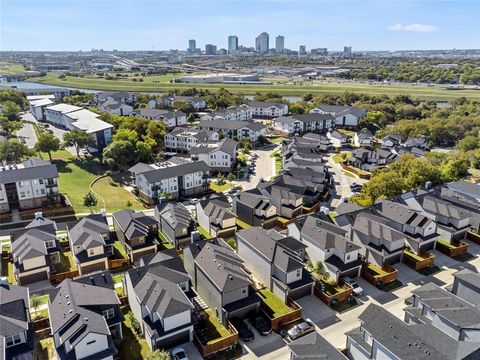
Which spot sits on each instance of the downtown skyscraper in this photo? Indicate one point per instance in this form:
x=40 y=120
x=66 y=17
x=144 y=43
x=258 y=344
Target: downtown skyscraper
x=262 y=43
x=279 y=43
x=232 y=44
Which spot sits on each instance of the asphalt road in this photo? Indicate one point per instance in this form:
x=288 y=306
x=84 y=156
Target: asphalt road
x=27 y=133
x=264 y=168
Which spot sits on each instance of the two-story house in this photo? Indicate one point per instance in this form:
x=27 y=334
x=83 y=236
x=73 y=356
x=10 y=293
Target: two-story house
x=275 y=261
x=345 y=116
x=466 y=285
x=369 y=160
x=288 y=204
x=314 y=346
x=17 y=340
x=233 y=113
x=327 y=243
x=308 y=183
x=304 y=123
x=416 y=142
x=181 y=140
x=220 y=155
x=175 y=223
x=363 y=138
x=126 y=97
x=255 y=209
x=115 y=107
x=169 y=101
x=267 y=110
x=391 y=141
x=176 y=177
x=28 y=185
x=172 y=119
x=90 y=243
x=219 y=278
x=249 y=130
x=35 y=250
x=156 y=295
x=85 y=317
x=215 y=216
x=136 y=232
x=339 y=140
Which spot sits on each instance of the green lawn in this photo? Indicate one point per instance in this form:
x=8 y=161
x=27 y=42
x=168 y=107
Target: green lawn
x=45 y=349
x=119 y=250
x=67 y=263
x=241 y=223
x=117 y=279
x=75 y=177
x=204 y=233
x=349 y=174
x=42 y=300
x=338 y=157
x=7 y=271
x=220 y=188
x=132 y=348
x=162 y=84
x=10 y=68
x=446 y=243
x=277 y=139
x=274 y=303
x=214 y=326
x=120 y=292
x=39 y=314
x=164 y=241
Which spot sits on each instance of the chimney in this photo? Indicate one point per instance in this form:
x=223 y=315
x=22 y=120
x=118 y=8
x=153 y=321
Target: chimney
x=195 y=236
x=38 y=215
x=104 y=212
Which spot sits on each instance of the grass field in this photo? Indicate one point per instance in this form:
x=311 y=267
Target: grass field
x=162 y=84
x=10 y=68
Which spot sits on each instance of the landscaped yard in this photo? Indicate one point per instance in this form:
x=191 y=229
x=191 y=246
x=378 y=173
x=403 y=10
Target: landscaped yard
x=219 y=188
x=119 y=250
x=39 y=314
x=42 y=300
x=164 y=241
x=132 y=348
x=212 y=329
x=274 y=303
x=45 y=349
x=446 y=243
x=117 y=279
x=277 y=139
x=7 y=271
x=204 y=233
x=339 y=157
x=67 y=263
x=119 y=291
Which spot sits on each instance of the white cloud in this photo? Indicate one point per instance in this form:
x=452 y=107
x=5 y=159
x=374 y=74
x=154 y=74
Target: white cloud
x=412 y=27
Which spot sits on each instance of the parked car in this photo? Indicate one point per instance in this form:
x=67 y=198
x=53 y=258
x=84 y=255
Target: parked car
x=301 y=329
x=357 y=289
x=49 y=131
x=179 y=354
x=244 y=331
x=261 y=324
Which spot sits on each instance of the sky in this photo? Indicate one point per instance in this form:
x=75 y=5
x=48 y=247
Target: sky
x=61 y=25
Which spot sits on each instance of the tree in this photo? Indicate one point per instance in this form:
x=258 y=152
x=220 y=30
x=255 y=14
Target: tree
x=128 y=204
x=137 y=330
x=79 y=140
x=469 y=143
x=119 y=154
x=10 y=127
x=127 y=135
x=143 y=151
x=231 y=177
x=47 y=143
x=455 y=168
x=296 y=109
x=307 y=97
x=35 y=300
x=13 y=151
x=10 y=110
x=90 y=200
x=187 y=108
x=155 y=131
x=159 y=355
x=221 y=180
x=191 y=119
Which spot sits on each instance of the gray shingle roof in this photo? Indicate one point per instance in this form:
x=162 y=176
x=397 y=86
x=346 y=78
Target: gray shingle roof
x=444 y=208
x=14 y=304
x=231 y=125
x=133 y=224
x=264 y=104
x=175 y=214
x=87 y=233
x=226 y=145
x=218 y=211
x=376 y=227
x=33 y=169
x=157 y=175
x=402 y=214
x=315 y=346
x=31 y=244
x=340 y=110
x=469 y=277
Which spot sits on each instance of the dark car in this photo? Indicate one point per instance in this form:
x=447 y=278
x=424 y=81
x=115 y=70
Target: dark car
x=261 y=324
x=244 y=331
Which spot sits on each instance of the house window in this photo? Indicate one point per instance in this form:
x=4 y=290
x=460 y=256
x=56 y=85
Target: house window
x=91 y=252
x=108 y=314
x=299 y=272
x=13 y=340
x=348 y=256
x=42 y=191
x=244 y=290
x=40 y=181
x=50 y=244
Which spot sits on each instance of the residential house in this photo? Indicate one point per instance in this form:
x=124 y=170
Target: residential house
x=310 y=143
x=314 y=346
x=382 y=335
x=90 y=243
x=345 y=116
x=304 y=123
x=136 y=232
x=288 y=204
x=306 y=182
x=233 y=113
x=220 y=155
x=219 y=278
x=363 y=138
x=181 y=140
x=371 y=160
x=305 y=160
x=35 y=251
x=17 y=340
x=30 y=184
x=466 y=285
x=123 y=96
x=255 y=209
x=339 y=140
x=248 y=130
x=214 y=215
x=275 y=261
x=156 y=295
x=176 y=177
x=391 y=141
x=115 y=107
x=196 y=102
x=85 y=317
x=417 y=142
x=327 y=243
x=175 y=223
x=172 y=118
x=268 y=110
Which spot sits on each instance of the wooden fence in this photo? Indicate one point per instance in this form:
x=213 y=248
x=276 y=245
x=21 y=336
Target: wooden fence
x=62 y=276
x=339 y=296
x=279 y=323
x=219 y=345
x=356 y=171
x=314 y=208
x=413 y=261
x=43 y=334
x=117 y=263
x=459 y=247
x=387 y=274
x=474 y=237
x=42 y=324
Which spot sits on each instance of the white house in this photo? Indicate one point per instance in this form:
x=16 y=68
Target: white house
x=115 y=107
x=219 y=155
x=122 y=96
x=172 y=118
x=249 y=130
x=345 y=116
x=267 y=110
x=196 y=102
x=38 y=103
x=299 y=124
x=235 y=113
x=181 y=140
x=363 y=138
x=338 y=139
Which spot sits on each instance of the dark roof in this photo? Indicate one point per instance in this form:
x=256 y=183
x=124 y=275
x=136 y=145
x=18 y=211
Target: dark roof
x=469 y=277
x=376 y=227
x=466 y=188
x=133 y=224
x=226 y=145
x=14 y=304
x=157 y=175
x=402 y=214
x=340 y=110
x=314 y=346
x=175 y=214
x=218 y=210
x=312 y=117
x=31 y=244
x=444 y=208
x=87 y=233
x=254 y=199
x=416 y=142
x=231 y=125
x=32 y=169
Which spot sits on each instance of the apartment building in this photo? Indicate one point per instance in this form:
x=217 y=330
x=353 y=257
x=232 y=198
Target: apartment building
x=181 y=140
x=345 y=116
x=304 y=123
x=248 y=130
x=218 y=155
x=172 y=119
x=268 y=110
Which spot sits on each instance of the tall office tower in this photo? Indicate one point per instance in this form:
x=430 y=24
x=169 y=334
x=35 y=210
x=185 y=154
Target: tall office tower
x=192 y=46
x=303 y=50
x=261 y=43
x=210 y=49
x=347 y=51
x=279 y=43
x=232 y=44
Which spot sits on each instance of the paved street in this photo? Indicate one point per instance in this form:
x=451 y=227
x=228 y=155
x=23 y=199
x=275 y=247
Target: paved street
x=27 y=134
x=264 y=168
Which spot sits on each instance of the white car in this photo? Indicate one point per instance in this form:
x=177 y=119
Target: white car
x=179 y=354
x=357 y=289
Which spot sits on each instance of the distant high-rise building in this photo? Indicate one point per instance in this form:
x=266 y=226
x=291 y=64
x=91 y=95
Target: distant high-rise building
x=192 y=46
x=210 y=49
x=232 y=44
x=279 y=43
x=319 y=51
x=261 y=43
x=347 y=51
x=303 y=50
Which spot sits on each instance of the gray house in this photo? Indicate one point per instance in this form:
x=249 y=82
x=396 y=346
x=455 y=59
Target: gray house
x=176 y=222
x=255 y=209
x=219 y=279
x=214 y=214
x=466 y=285
x=156 y=295
x=137 y=232
x=17 y=339
x=314 y=346
x=276 y=261
x=85 y=317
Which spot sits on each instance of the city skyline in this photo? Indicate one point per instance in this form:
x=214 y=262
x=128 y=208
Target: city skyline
x=74 y=25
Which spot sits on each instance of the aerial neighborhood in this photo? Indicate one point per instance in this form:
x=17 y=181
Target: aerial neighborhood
x=202 y=219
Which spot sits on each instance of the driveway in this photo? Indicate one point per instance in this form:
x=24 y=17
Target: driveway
x=27 y=134
x=263 y=346
x=264 y=167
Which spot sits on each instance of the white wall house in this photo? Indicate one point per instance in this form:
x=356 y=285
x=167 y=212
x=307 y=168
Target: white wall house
x=181 y=140
x=219 y=156
x=235 y=129
x=267 y=110
x=345 y=116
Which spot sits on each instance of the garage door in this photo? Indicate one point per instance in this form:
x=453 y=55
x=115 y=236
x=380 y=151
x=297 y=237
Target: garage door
x=394 y=259
x=94 y=267
x=28 y=279
x=174 y=340
x=301 y=292
x=352 y=273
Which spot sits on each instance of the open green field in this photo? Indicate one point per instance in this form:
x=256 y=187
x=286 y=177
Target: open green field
x=10 y=68
x=162 y=84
